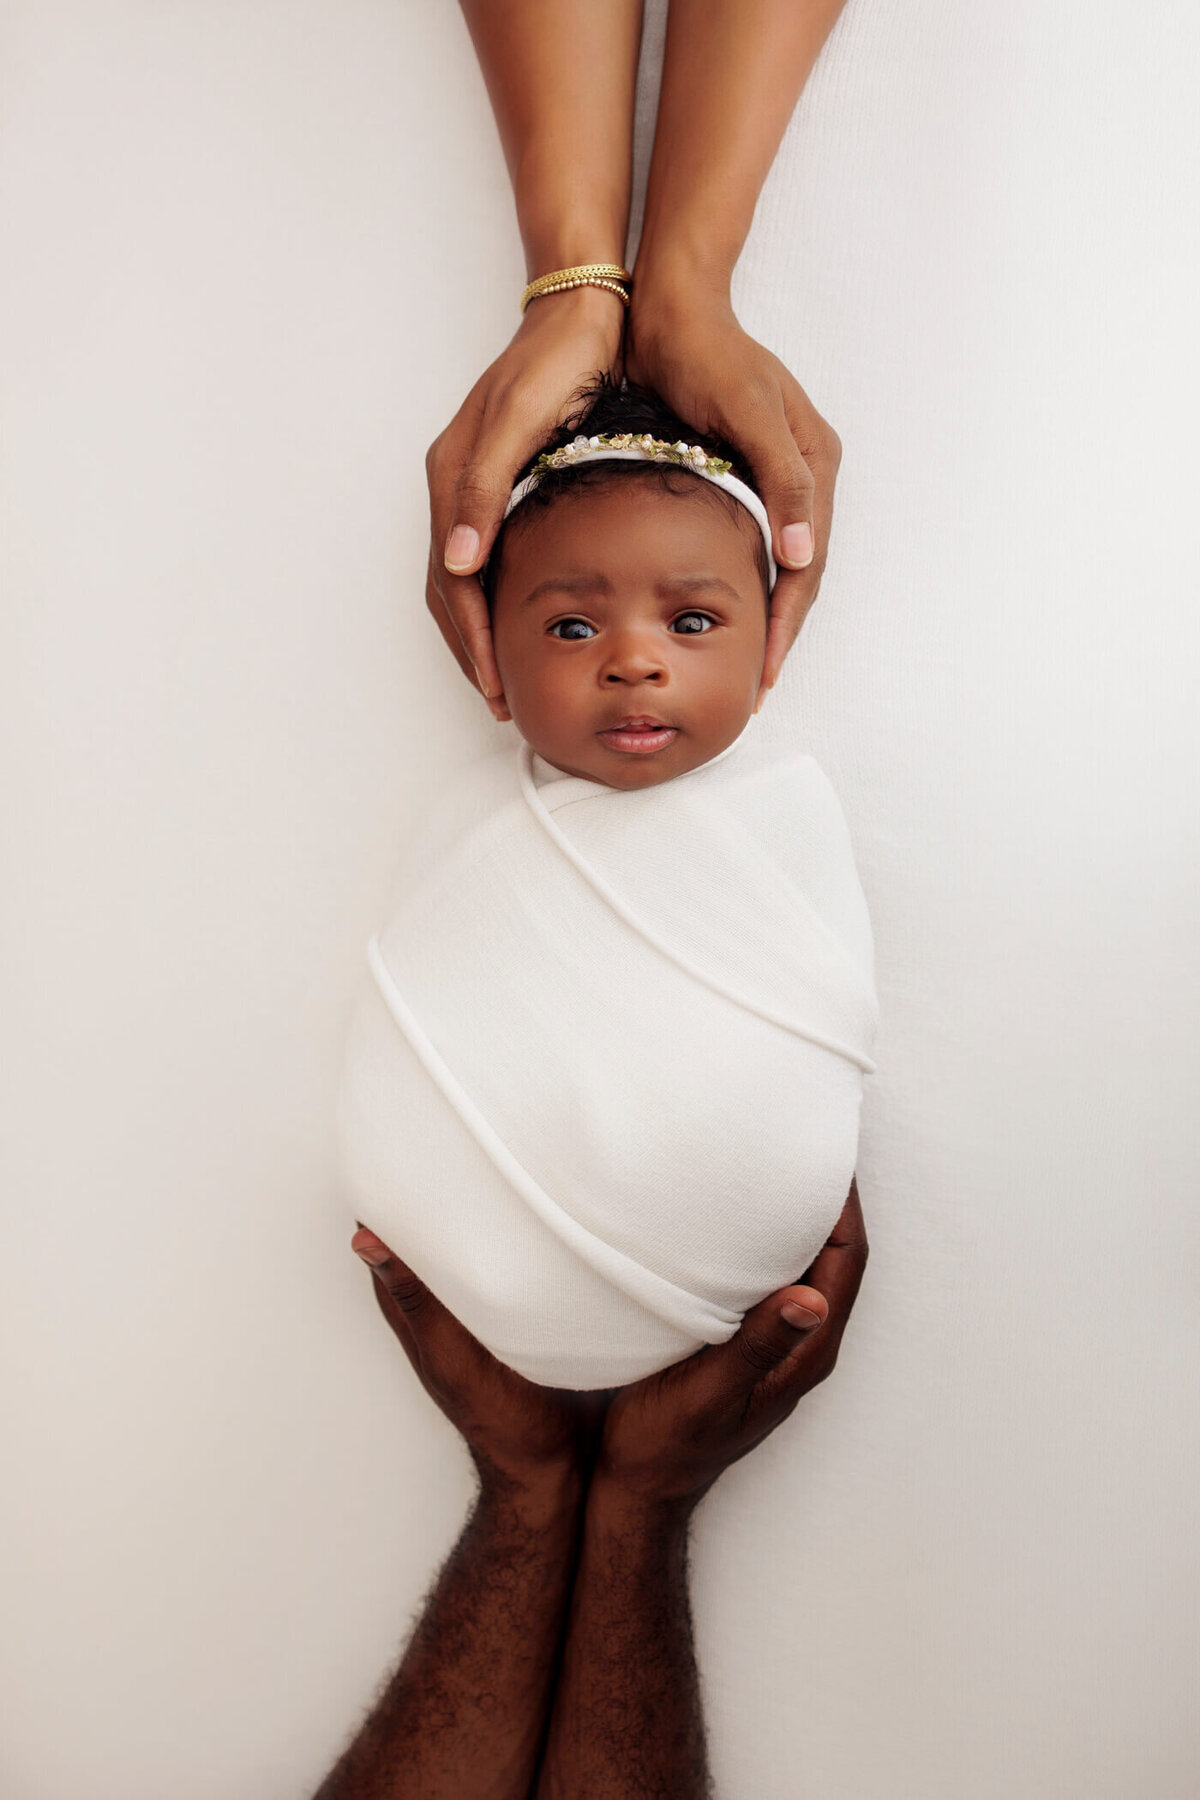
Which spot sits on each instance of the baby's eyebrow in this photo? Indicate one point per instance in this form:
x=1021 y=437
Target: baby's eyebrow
x=569 y=584
x=691 y=584
x=671 y=586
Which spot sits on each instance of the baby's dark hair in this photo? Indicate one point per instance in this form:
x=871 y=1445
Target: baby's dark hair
x=606 y=408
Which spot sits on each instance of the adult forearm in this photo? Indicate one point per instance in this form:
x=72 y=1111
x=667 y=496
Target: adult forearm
x=464 y=1715
x=561 y=75
x=627 y=1720
x=732 y=74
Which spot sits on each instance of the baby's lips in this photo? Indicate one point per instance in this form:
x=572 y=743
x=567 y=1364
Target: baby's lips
x=638 y=722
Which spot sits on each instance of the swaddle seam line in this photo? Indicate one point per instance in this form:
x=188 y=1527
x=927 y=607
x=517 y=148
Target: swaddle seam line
x=689 y=1312
x=538 y=808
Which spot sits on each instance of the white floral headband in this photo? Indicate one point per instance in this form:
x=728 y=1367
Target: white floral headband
x=627 y=447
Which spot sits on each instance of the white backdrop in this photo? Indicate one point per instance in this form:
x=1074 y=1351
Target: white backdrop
x=255 y=255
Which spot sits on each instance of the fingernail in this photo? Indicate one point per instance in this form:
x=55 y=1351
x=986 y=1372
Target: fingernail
x=799 y=1316
x=370 y=1253
x=462 y=548
x=796 y=544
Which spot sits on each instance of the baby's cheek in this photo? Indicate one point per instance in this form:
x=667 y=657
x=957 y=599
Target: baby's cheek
x=731 y=683
x=546 y=704
x=556 y=691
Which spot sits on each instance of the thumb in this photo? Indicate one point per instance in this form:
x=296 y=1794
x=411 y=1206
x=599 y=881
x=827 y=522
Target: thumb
x=407 y=1290
x=788 y=490
x=787 y=486
x=480 y=496
x=373 y=1250
x=771 y=1330
x=404 y=1300
x=468 y=527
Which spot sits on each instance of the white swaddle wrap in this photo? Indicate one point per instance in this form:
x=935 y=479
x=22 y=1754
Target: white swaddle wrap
x=602 y=1089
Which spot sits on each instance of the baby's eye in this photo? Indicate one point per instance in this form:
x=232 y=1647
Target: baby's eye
x=692 y=623
x=574 y=631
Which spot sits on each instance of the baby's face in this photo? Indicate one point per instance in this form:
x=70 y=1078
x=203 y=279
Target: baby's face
x=631 y=605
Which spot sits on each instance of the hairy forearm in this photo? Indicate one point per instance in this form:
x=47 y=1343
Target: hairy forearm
x=463 y=1717
x=627 y=1720
x=561 y=75
x=732 y=74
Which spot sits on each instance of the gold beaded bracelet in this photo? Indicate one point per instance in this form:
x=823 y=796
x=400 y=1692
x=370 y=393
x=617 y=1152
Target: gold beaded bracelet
x=602 y=275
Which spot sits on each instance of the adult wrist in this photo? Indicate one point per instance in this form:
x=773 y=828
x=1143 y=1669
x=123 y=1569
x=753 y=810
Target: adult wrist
x=591 y=307
x=539 y=1497
x=558 y=232
x=617 y=1509
x=682 y=267
x=669 y=309
x=590 y=315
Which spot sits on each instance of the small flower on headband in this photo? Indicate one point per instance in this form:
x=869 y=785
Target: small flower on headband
x=688 y=456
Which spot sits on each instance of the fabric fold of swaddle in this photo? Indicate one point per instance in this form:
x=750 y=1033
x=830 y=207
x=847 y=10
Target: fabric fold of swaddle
x=602 y=1088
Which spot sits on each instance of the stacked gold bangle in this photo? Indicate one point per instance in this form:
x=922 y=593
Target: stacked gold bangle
x=602 y=275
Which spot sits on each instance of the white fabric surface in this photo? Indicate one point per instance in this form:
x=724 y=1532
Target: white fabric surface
x=603 y=1089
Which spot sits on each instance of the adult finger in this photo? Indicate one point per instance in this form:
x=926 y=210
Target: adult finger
x=772 y=1331
x=477 y=653
x=454 y=595
x=722 y=1381
x=788 y=488
x=446 y=625
x=828 y=1288
x=409 y=1307
x=782 y=476
x=467 y=505
x=838 y=1269
x=791 y=598
x=797 y=588
x=466 y=604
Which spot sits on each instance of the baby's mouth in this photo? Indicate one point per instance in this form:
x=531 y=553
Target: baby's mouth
x=639 y=733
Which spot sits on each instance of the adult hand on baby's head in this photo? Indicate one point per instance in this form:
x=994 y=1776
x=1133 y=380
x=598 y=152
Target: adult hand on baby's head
x=667 y=1438
x=564 y=341
x=689 y=347
x=518 y=1433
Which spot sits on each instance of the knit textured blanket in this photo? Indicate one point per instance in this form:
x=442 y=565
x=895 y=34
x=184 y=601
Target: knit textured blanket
x=602 y=1088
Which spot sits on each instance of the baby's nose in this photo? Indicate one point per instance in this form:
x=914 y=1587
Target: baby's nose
x=634 y=658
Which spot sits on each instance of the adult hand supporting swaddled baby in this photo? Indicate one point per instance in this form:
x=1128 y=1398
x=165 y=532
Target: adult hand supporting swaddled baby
x=563 y=1608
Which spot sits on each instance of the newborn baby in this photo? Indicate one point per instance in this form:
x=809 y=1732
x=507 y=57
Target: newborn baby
x=602 y=1088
